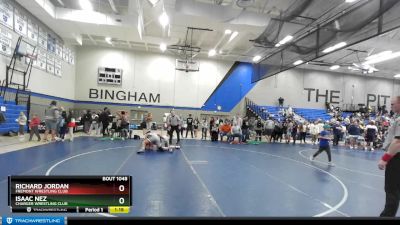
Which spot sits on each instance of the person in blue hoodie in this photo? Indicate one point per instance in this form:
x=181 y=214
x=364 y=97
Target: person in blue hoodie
x=324 y=138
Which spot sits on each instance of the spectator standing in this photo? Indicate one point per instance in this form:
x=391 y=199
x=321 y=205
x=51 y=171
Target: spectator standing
x=281 y=100
x=70 y=121
x=34 y=127
x=22 y=123
x=52 y=114
x=189 y=123
x=204 y=128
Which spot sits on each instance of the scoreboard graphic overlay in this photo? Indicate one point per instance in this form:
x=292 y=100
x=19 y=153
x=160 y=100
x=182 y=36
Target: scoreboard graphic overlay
x=74 y=194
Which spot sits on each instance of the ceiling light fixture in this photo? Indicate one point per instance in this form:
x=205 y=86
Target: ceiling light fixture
x=228 y=31
x=86 y=5
x=378 y=55
x=112 y=5
x=233 y=35
x=163 y=47
x=381 y=54
x=256 y=58
x=140 y=28
x=284 y=40
x=353 y=68
x=397 y=76
x=382 y=58
x=335 y=47
x=334 y=67
x=163 y=19
x=61 y=3
x=212 y=52
x=298 y=62
x=108 y=40
x=153 y=2
x=350 y=1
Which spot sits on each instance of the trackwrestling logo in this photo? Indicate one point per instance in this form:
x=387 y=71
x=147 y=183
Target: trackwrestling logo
x=33 y=220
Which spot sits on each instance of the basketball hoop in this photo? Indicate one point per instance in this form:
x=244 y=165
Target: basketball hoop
x=187 y=66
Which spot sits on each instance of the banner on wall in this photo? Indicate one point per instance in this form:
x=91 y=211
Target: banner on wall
x=30 y=48
x=69 y=55
x=65 y=54
x=20 y=23
x=33 y=31
x=42 y=38
x=41 y=60
x=72 y=58
x=50 y=63
x=5 y=41
x=57 y=67
x=6 y=14
x=41 y=64
x=51 y=43
x=59 y=49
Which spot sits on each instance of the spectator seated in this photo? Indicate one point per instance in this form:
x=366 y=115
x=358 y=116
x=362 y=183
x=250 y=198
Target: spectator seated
x=232 y=137
x=225 y=130
x=120 y=130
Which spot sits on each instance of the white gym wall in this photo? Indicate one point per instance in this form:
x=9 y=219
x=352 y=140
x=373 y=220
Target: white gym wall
x=149 y=74
x=290 y=85
x=43 y=82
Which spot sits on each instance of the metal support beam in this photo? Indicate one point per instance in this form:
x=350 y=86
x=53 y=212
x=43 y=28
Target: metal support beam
x=129 y=44
x=91 y=38
x=380 y=19
x=61 y=3
x=318 y=43
x=112 y=5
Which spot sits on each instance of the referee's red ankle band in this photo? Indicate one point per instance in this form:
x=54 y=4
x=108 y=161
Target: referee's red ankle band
x=386 y=157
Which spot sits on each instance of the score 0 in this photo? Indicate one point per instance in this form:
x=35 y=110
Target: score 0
x=121 y=188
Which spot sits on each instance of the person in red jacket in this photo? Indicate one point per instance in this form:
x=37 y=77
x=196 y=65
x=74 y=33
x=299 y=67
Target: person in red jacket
x=34 y=127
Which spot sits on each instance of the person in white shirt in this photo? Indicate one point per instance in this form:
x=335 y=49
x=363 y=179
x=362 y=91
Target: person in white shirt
x=320 y=125
x=239 y=120
x=173 y=124
x=22 y=123
x=269 y=128
x=290 y=110
x=95 y=124
x=236 y=131
x=204 y=128
x=370 y=133
x=347 y=121
x=344 y=132
x=314 y=131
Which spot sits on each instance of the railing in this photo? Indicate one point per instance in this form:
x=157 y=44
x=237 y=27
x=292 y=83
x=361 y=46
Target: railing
x=3 y=88
x=355 y=108
x=256 y=109
x=22 y=97
x=16 y=93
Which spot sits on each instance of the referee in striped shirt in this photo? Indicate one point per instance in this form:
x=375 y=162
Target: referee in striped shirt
x=390 y=162
x=173 y=123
